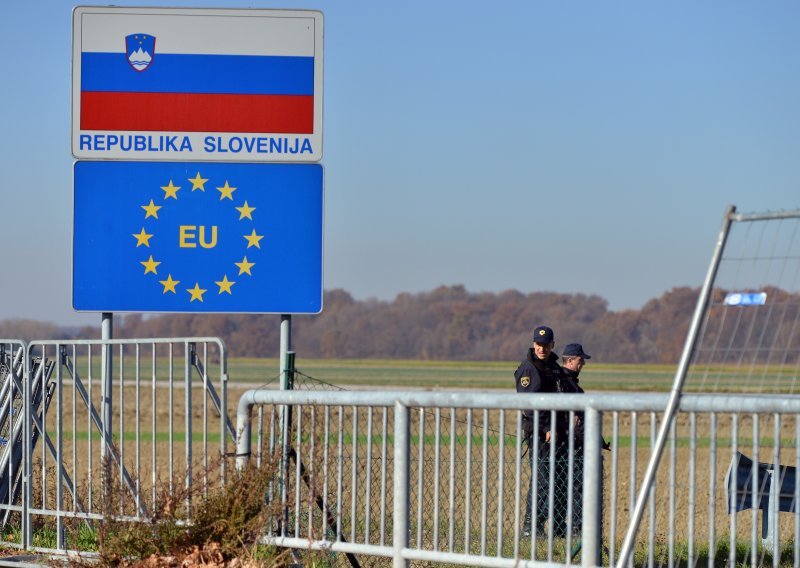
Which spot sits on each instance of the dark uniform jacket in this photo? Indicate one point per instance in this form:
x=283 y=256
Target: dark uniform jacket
x=535 y=375
x=570 y=384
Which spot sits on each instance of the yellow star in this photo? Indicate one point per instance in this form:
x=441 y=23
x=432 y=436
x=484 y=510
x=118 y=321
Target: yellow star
x=245 y=211
x=151 y=210
x=196 y=292
x=143 y=238
x=244 y=266
x=252 y=239
x=198 y=182
x=225 y=285
x=226 y=191
x=169 y=284
x=150 y=265
x=170 y=190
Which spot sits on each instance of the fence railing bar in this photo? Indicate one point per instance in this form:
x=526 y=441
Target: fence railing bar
x=437 y=452
x=452 y=487
x=89 y=456
x=171 y=420
x=368 y=489
x=354 y=476
x=206 y=384
x=777 y=483
x=60 y=543
x=420 y=474
x=468 y=484
x=533 y=494
x=339 y=475
x=551 y=475
x=153 y=430
x=500 y=481
x=121 y=442
x=517 y=483
x=188 y=425
x=757 y=494
x=297 y=474
x=137 y=426
x=634 y=460
x=484 y=479
x=402 y=449
x=75 y=471
x=734 y=483
x=692 y=486
x=796 y=512
x=712 y=490
x=612 y=536
x=672 y=480
x=312 y=470
x=651 y=529
x=384 y=444
x=570 y=481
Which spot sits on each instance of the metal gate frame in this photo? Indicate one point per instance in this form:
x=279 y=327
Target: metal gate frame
x=730 y=217
x=69 y=360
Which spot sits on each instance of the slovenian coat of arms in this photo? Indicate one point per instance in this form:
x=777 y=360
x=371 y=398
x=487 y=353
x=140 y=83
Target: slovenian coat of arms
x=140 y=49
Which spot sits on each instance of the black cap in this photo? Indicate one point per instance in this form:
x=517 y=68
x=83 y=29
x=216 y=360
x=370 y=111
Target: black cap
x=543 y=334
x=574 y=350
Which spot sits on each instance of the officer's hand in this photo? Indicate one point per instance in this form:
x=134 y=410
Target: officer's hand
x=547 y=436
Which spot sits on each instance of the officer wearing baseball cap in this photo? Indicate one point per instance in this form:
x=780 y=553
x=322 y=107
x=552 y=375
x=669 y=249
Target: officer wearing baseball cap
x=575 y=350
x=540 y=372
x=572 y=361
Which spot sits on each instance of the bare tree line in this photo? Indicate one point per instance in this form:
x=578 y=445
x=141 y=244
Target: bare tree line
x=447 y=323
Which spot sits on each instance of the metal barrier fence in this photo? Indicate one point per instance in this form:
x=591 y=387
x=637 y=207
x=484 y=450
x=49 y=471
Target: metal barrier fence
x=409 y=477
x=745 y=326
x=92 y=428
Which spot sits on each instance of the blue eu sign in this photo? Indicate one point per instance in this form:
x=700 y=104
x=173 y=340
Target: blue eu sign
x=197 y=237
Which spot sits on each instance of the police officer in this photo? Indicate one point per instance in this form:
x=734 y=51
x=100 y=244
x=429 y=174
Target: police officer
x=540 y=372
x=573 y=359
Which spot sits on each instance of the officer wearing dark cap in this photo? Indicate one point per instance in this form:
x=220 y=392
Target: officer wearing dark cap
x=573 y=358
x=540 y=372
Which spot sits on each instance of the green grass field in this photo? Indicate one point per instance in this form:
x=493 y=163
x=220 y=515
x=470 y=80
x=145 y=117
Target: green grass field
x=400 y=374
x=499 y=375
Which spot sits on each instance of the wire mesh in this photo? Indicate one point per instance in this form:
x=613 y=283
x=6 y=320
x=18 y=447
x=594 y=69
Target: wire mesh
x=749 y=337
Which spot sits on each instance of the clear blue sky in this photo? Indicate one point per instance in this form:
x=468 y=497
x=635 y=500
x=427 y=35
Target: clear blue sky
x=569 y=147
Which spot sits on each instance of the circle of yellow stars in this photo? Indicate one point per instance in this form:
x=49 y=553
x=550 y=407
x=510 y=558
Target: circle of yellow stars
x=170 y=285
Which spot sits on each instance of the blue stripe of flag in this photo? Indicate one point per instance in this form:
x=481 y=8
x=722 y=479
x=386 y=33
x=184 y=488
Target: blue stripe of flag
x=218 y=74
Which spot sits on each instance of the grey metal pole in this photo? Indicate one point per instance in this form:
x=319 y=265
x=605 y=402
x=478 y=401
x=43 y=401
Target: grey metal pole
x=592 y=488
x=286 y=346
x=27 y=452
x=402 y=435
x=677 y=386
x=107 y=354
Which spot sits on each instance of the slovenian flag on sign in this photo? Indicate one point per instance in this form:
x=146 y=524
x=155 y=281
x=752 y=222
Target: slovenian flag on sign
x=196 y=74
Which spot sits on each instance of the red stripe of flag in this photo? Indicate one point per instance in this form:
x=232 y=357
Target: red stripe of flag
x=181 y=112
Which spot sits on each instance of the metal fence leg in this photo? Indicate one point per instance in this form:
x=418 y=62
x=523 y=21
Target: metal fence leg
x=402 y=446
x=592 y=489
x=27 y=451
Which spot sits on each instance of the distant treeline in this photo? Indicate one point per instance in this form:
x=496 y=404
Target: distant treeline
x=450 y=323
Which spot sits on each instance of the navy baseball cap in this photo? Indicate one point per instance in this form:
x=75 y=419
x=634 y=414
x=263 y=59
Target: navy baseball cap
x=543 y=334
x=574 y=350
